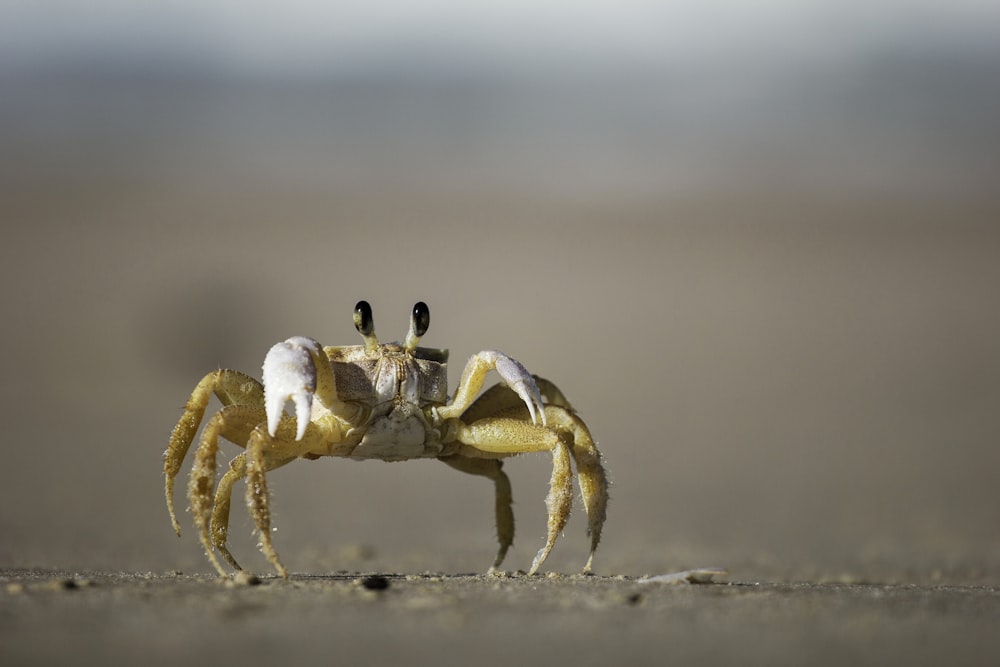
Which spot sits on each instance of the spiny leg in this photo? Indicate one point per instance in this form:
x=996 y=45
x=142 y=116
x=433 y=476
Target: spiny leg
x=223 y=503
x=558 y=502
x=201 y=483
x=221 y=507
x=501 y=401
x=590 y=473
x=259 y=500
x=265 y=453
x=276 y=454
x=231 y=423
x=232 y=388
x=506 y=436
x=493 y=469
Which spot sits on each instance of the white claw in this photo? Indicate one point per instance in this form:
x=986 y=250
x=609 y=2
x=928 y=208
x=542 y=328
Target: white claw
x=519 y=379
x=290 y=375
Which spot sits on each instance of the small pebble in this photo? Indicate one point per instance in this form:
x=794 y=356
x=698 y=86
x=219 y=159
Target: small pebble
x=375 y=583
x=65 y=584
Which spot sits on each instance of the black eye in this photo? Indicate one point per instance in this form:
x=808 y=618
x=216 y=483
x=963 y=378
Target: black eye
x=363 y=318
x=421 y=318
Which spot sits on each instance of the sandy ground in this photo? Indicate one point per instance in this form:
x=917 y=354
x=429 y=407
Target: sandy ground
x=362 y=618
x=800 y=385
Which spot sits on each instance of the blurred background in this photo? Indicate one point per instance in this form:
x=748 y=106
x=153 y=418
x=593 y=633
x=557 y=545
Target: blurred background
x=756 y=243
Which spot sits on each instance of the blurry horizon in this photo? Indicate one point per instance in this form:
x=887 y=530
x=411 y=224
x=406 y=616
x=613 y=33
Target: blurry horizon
x=298 y=39
x=602 y=99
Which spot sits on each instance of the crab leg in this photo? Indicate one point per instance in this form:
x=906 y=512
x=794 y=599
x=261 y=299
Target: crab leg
x=508 y=436
x=221 y=506
x=231 y=388
x=258 y=500
x=223 y=502
x=231 y=423
x=236 y=423
x=558 y=501
x=500 y=400
x=264 y=453
x=493 y=469
x=513 y=373
x=590 y=473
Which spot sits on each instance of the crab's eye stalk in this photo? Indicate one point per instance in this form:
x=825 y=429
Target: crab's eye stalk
x=421 y=318
x=419 y=321
x=365 y=324
x=363 y=318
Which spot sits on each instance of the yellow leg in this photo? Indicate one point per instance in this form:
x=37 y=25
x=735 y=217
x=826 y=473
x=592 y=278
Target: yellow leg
x=258 y=499
x=505 y=436
x=590 y=473
x=265 y=453
x=493 y=469
x=223 y=503
x=232 y=388
x=559 y=501
x=258 y=461
x=202 y=482
x=501 y=401
x=221 y=506
x=230 y=423
x=243 y=421
x=211 y=513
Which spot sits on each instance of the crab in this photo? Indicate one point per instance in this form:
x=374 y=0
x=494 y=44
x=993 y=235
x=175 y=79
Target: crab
x=387 y=402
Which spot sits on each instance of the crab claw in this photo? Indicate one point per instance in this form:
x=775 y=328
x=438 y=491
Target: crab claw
x=520 y=380
x=514 y=375
x=290 y=375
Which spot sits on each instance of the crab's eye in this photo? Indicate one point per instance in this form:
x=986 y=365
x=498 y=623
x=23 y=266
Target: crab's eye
x=363 y=318
x=421 y=318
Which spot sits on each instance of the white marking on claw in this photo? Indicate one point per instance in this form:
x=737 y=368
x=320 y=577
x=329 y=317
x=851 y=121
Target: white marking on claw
x=289 y=375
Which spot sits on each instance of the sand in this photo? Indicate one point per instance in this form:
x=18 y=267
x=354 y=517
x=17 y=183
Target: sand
x=53 y=617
